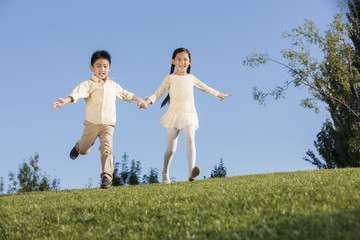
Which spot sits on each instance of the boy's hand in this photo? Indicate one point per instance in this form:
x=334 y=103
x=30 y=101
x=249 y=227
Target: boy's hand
x=142 y=104
x=223 y=95
x=58 y=104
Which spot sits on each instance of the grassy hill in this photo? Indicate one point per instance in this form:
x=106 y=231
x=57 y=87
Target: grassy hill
x=320 y=204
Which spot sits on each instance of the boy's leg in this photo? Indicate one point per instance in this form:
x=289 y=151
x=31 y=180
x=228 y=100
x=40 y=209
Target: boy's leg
x=172 y=138
x=189 y=134
x=88 y=138
x=106 y=144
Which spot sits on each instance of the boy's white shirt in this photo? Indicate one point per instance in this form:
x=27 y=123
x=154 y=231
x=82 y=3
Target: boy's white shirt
x=100 y=98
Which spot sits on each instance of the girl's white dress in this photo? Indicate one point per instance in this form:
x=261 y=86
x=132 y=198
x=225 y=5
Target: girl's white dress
x=182 y=110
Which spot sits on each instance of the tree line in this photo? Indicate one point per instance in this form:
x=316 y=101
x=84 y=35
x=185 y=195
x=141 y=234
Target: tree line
x=125 y=175
x=30 y=178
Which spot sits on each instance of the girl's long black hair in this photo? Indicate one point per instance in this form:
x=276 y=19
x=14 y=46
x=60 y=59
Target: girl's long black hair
x=172 y=69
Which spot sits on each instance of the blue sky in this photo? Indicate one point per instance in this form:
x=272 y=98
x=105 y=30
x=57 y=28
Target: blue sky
x=46 y=48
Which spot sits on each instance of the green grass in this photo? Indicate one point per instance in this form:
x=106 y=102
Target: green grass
x=320 y=204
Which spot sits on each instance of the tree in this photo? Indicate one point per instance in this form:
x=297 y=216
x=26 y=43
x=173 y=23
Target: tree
x=29 y=178
x=219 y=171
x=126 y=176
x=153 y=176
x=333 y=150
x=55 y=183
x=338 y=141
x=134 y=174
x=13 y=186
x=90 y=183
x=334 y=80
x=116 y=176
x=2 y=185
x=353 y=17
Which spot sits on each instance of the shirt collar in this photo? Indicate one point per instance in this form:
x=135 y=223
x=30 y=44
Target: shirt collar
x=96 y=79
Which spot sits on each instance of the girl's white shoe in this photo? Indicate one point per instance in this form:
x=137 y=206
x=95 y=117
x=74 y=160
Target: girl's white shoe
x=165 y=178
x=194 y=173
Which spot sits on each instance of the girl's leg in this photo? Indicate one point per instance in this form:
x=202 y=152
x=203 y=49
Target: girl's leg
x=172 y=138
x=189 y=134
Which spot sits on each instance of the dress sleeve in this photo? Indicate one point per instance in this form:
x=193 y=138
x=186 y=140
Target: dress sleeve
x=81 y=91
x=123 y=94
x=165 y=85
x=203 y=87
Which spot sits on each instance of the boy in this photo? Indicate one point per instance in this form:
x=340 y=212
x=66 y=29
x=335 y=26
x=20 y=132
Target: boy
x=100 y=95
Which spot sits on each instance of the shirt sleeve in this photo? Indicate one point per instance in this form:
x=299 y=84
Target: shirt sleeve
x=123 y=94
x=203 y=87
x=81 y=91
x=165 y=85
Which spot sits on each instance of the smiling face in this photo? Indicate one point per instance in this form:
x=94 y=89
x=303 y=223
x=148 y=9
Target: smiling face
x=101 y=68
x=182 y=62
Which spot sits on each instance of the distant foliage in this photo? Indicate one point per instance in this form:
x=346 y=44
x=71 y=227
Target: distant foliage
x=338 y=142
x=126 y=175
x=333 y=79
x=153 y=176
x=116 y=176
x=134 y=173
x=2 y=185
x=29 y=178
x=90 y=183
x=219 y=171
x=121 y=171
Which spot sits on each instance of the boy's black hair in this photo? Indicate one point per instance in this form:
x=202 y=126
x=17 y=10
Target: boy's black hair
x=100 y=54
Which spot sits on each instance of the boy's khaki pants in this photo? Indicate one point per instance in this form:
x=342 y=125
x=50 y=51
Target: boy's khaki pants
x=105 y=133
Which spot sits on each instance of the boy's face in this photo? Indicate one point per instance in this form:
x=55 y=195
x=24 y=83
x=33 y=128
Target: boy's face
x=101 y=68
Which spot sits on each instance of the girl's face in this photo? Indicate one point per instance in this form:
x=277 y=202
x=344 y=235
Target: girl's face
x=181 y=62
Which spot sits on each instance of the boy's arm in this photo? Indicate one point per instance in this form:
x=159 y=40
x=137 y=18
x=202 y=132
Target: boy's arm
x=61 y=102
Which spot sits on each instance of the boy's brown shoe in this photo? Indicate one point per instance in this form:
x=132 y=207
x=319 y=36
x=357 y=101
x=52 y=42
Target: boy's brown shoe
x=74 y=153
x=194 y=173
x=105 y=183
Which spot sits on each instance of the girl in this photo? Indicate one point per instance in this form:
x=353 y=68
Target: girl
x=181 y=114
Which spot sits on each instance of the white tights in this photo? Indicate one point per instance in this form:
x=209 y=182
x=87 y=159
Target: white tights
x=172 y=138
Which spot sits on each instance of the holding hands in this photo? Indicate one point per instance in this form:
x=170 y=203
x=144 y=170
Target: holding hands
x=140 y=103
x=144 y=104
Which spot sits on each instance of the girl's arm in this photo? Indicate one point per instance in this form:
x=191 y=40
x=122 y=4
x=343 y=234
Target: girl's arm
x=203 y=87
x=165 y=85
x=223 y=95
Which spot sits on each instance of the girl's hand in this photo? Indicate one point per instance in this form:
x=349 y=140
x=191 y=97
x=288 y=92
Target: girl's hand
x=142 y=104
x=223 y=95
x=58 y=104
